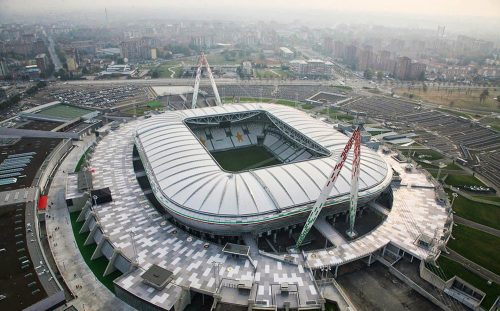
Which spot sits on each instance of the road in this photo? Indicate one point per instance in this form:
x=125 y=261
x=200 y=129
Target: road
x=189 y=81
x=53 y=55
x=45 y=274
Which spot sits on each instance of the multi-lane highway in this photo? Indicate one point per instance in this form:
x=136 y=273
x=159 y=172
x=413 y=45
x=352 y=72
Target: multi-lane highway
x=53 y=55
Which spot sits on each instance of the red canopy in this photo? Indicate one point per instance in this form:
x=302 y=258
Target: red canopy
x=42 y=202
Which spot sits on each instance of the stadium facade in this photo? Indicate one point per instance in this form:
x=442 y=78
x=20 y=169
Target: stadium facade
x=179 y=150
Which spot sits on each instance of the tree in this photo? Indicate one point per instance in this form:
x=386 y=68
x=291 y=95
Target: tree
x=368 y=74
x=424 y=87
x=498 y=98
x=62 y=74
x=380 y=75
x=484 y=94
x=421 y=76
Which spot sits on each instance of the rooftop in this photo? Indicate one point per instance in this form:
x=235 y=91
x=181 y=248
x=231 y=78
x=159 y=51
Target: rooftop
x=184 y=171
x=157 y=276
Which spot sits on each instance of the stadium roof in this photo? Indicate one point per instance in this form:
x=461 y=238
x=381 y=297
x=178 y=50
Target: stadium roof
x=183 y=170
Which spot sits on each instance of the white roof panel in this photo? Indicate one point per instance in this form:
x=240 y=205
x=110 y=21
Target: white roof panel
x=188 y=176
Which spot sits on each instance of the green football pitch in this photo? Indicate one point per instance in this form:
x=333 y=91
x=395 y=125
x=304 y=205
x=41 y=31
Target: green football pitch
x=245 y=158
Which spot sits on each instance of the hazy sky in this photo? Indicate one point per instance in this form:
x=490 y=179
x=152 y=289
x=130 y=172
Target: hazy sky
x=473 y=17
x=425 y=7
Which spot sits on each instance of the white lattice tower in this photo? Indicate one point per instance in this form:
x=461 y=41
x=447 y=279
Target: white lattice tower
x=330 y=182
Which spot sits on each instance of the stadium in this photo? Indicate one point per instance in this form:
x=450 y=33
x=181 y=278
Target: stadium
x=242 y=206
x=249 y=167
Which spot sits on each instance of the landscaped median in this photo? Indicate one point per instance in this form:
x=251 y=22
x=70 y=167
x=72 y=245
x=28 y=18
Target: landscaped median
x=82 y=160
x=97 y=266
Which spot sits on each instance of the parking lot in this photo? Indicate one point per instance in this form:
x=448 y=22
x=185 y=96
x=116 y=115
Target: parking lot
x=98 y=97
x=19 y=280
x=40 y=148
x=457 y=137
x=290 y=92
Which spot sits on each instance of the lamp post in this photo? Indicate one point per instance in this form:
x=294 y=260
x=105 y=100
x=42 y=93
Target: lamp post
x=454 y=196
x=95 y=197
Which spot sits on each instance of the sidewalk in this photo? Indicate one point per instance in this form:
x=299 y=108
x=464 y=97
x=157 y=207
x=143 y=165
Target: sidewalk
x=92 y=295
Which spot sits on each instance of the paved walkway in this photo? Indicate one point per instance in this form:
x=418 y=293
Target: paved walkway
x=475 y=225
x=329 y=232
x=472 y=266
x=92 y=295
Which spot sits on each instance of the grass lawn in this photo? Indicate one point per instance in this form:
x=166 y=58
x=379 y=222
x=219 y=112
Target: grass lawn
x=433 y=168
x=478 y=246
x=491 y=121
x=492 y=198
x=139 y=111
x=98 y=265
x=463 y=180
x=453 y=166
x=244 y=158
x=285 y=102
x=455 y=98
x=220 y=59
x=482 y=213
x=427 y=154
x=343 y=88
x=154 y=104
x=337 y=115
x=308 y=106
x=451 y=268
x=175 y=65
x=80 y=162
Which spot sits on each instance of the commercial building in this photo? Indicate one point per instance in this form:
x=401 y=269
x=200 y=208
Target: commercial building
x=365 y=58
x=417 y=70
x=406 y=69
x=4 y=70
x=402 y=68
x=138 y=48
x=42 y=62
x=286 y=53
x=118 y=70
x=246 y=68
x=311 y=68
